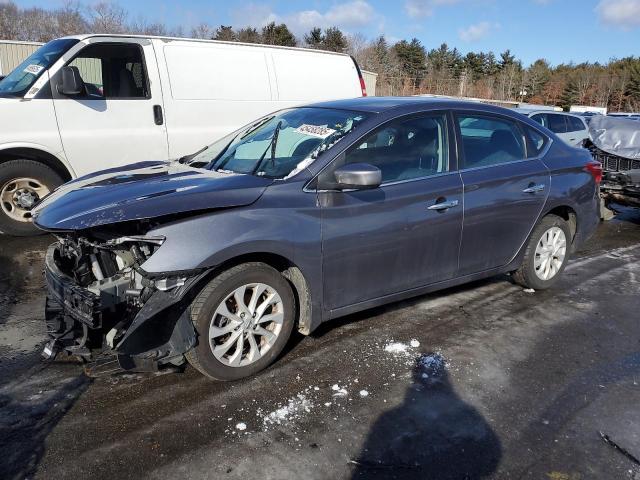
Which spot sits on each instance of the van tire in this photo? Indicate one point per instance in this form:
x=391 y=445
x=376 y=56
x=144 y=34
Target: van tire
x=203 y=310
x=526 y=275
x=22 y=168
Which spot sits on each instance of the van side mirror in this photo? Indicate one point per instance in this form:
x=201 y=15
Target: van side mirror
x=358 y=176
x=71 y=82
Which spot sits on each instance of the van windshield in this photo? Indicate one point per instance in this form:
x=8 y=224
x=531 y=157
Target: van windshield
x=20 y=80
x=282 y=144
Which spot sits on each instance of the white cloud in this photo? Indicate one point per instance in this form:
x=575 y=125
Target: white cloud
x=476 y=31
x=619 y=13
x=349 y=15
x=424 y=8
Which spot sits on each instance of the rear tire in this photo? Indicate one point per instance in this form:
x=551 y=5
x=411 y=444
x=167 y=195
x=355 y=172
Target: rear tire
x=543 y=262
x=237 y=355
x=14 y=176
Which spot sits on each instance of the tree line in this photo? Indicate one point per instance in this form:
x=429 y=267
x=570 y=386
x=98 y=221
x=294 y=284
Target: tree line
x=405 y=67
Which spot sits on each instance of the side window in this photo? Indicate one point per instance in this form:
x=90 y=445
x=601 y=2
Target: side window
x=112 y=71
x=489 y=140
x=557 y=123
x=575 y=124
x=537 y=141
x=405 y=148
x=541 y=118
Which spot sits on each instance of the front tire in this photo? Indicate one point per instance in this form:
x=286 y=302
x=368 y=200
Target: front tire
x=23 y=183
x=244 y=318
x=546 y=254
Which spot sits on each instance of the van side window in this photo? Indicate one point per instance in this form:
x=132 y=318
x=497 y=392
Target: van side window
x=112 y=71
x=489 y=140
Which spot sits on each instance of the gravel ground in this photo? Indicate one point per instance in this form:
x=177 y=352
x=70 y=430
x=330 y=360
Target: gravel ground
x=480 y=381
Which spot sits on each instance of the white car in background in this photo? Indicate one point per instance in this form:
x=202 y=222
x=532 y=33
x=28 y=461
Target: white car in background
x=90 y=102
x=569 y=127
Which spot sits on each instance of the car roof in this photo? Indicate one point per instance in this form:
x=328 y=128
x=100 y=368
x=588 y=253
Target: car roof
x=384 y=104
x=531 y=111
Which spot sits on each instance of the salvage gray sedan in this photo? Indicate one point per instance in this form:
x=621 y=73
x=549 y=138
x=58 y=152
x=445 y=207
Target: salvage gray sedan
x=306 y=215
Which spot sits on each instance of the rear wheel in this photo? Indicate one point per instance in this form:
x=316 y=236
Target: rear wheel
x=23 y=183
x=244 y=318
x=546 y=254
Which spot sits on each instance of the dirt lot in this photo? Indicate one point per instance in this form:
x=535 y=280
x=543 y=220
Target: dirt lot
x=481 y=381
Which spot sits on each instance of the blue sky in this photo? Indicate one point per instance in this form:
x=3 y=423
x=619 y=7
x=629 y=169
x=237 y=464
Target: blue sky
x=559 y=30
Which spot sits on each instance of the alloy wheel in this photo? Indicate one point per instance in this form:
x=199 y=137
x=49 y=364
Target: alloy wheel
x=246 y=324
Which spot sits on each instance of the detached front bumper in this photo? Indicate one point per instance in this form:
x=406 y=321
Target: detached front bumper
x=140 y=337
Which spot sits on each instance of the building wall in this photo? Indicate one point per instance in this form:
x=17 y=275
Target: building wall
x=370 y=80
x=13 y=53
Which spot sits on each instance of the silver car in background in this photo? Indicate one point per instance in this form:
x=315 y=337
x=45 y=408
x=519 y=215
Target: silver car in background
x=572 y=129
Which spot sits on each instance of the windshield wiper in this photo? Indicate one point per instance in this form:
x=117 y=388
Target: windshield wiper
x=272 y=145
x=256 y=126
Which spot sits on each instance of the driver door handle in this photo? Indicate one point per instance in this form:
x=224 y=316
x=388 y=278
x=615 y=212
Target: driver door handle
x=443 y=205
x=534 y=188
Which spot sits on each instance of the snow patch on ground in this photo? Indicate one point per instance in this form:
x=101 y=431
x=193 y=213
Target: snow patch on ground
x=339 y=391
x=396 y=348
x=294 y=409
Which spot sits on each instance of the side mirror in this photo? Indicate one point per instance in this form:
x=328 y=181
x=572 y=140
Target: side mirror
x=358 y=176
x=71 y=82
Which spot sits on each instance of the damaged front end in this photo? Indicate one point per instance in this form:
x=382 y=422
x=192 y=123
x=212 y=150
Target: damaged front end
x=616 y=145
x=103 y=307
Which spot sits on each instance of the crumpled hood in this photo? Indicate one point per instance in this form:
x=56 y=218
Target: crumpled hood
x=143 y=190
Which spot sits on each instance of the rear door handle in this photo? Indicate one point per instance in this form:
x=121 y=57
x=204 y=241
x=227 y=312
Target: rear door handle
x=532 y=188
x=443 y=205
x=157 y=115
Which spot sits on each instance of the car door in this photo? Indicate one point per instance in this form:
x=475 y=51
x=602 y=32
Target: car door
x=404 y=234
x=504 y=188
x=117 y=119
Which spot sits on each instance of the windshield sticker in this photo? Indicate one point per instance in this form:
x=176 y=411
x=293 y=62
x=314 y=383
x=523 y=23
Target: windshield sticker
x=319 y=131
x=33 y=69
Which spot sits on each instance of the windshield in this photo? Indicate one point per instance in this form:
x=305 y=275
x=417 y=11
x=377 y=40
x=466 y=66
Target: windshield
x=19 y=81
x=282 y=144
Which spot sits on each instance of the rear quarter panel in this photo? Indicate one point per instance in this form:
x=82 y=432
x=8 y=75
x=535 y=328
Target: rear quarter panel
x=573 y=186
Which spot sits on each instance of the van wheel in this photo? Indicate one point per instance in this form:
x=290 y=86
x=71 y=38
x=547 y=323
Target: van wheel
x=23 y=183
x=243 y=318
x=546 y=254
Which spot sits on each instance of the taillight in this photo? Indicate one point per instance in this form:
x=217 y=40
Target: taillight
x=363 y=87
x=595 y=169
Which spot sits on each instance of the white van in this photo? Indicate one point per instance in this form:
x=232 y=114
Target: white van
x=90 y=102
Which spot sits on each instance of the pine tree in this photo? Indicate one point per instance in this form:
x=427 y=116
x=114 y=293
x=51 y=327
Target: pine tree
x=273 y=34
x=249 y=35
x=334 y=40
x=314 y=39
x=225 y=33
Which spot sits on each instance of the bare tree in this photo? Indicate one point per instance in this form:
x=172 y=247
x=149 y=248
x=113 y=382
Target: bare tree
x=107 y=17
x=203 y=31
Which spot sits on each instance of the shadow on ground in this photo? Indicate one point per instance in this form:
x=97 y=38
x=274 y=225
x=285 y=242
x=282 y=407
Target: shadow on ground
x=434 y=434
x=25 y=424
